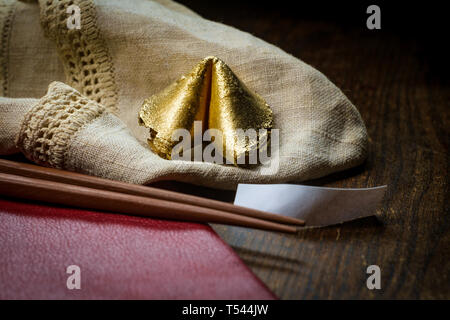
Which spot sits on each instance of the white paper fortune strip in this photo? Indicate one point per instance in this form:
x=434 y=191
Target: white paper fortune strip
x=318 y=206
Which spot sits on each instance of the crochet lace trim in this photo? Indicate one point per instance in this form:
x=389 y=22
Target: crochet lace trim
x=87 y=64
x=7 y=8
x=49 y=126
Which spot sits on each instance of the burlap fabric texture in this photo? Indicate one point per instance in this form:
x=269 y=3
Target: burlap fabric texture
x=71 y=96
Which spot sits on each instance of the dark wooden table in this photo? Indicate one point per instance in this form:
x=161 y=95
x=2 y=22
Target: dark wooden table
x=397 y=79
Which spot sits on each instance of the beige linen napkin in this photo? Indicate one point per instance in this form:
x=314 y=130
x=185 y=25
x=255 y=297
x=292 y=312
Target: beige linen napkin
x=125 y=52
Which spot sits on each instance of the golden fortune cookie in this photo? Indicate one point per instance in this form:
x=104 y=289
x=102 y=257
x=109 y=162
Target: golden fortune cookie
x=213 y=94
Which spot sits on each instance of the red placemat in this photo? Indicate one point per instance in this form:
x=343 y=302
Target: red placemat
x=120 y=257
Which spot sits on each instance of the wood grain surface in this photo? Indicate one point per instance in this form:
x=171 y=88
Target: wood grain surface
x=397 y=79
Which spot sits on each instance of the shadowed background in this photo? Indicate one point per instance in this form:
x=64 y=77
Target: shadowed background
x=398 y=79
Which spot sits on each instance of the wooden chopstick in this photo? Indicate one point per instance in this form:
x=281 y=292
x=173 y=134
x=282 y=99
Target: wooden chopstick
x=34 y=171
x=84 y=197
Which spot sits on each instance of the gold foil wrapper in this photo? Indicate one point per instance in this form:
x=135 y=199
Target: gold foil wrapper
x=213 y=94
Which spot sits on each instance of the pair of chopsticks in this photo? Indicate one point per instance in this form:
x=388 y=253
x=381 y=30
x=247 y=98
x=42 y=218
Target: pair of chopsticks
x=27 y=181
